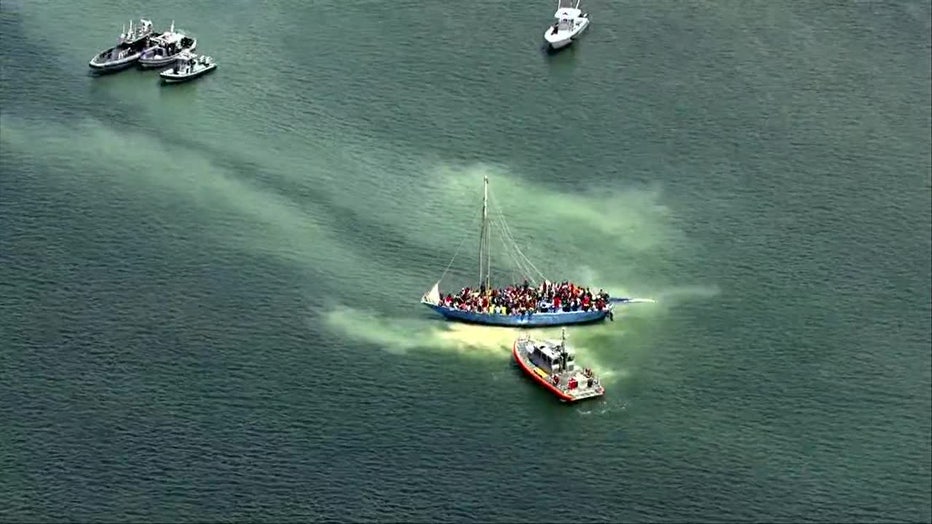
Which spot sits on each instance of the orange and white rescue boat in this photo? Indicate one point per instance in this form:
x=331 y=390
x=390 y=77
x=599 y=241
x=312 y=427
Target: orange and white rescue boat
x=553 y=366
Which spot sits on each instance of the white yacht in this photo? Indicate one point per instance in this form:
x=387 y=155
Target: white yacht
x=166 y=48
x=570 y=23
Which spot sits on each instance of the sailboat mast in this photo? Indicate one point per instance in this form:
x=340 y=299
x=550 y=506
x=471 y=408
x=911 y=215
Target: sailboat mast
x=488 y=238
x=483 y=236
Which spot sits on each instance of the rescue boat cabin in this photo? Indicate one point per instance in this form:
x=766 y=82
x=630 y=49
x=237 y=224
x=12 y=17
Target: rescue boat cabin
x=555 y=359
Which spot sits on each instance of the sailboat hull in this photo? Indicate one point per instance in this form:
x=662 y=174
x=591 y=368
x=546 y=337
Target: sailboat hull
x=561 y=318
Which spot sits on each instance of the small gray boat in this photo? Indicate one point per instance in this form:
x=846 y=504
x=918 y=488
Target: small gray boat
x=188 y=66
x=165 y=48
x=130 y=47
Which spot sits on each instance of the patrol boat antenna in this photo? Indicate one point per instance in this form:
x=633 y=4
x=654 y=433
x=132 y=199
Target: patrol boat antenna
x=563 y=354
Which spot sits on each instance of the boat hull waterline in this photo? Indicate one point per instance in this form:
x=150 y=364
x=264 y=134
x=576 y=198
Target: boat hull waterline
x=562 y=318
x=536 y=319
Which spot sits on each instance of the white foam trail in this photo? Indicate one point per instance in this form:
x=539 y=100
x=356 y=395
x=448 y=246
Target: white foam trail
x=621 y=302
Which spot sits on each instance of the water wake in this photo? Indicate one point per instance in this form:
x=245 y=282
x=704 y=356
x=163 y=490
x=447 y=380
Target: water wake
x=400 y=336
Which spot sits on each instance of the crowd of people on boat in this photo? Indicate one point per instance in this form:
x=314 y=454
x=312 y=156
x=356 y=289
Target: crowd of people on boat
x=521 y=299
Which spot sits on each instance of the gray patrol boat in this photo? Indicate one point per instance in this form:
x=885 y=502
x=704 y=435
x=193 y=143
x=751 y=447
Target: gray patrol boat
x=126 y=53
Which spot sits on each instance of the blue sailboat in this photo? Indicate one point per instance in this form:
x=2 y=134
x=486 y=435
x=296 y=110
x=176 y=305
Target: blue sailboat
x=540 y=315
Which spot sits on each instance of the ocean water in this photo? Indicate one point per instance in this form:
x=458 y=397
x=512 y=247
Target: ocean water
x=208 y=292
